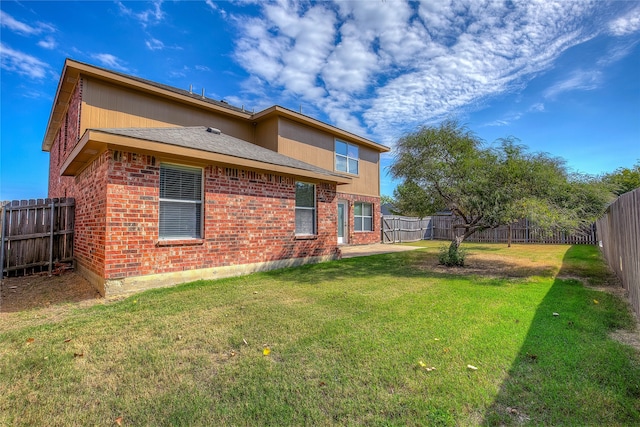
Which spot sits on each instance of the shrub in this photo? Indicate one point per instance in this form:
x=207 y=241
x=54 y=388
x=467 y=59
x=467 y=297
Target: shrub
x=452 y=256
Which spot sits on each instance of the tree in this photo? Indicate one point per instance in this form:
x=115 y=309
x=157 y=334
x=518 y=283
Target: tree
x=448 y=168
x=623 y=180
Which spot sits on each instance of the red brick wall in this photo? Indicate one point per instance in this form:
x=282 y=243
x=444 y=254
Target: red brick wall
x=64 y=142
x=363 y=237
x=90 y=217
x=249 y=217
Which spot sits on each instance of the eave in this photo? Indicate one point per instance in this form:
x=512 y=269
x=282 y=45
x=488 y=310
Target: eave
x=94 y=142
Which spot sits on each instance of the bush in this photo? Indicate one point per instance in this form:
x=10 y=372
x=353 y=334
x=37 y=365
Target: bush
x=452 y=256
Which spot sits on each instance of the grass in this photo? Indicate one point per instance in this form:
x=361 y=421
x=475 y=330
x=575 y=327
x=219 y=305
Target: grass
x=350 y=342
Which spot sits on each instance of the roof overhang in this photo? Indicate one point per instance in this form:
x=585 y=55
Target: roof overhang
x=94 y=142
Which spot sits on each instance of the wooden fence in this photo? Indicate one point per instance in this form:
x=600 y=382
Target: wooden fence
x=35 y=235
x=398 y=229
x=619 y=231
x=522 y=231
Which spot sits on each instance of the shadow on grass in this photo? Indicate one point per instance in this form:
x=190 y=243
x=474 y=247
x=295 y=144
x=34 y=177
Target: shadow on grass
x=568 y=371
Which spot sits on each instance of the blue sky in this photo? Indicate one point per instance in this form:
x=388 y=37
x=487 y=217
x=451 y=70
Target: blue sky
x=563 y=77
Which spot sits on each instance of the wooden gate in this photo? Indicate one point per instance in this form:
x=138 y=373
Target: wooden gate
x=398 y=229
x=35 y=235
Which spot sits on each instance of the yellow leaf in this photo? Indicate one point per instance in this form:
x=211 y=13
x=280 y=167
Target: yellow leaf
x=266 y=351
x=422 y=364
x=30 y=340
x=595 y=301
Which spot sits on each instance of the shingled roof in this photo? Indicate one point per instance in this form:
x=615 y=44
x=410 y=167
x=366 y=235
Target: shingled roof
x=202 y=143
x=214 y=141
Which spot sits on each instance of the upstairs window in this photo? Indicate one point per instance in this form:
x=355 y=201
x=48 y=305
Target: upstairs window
x=305 y=209
x=180 y=202
x=346 y=157
x=363 y=216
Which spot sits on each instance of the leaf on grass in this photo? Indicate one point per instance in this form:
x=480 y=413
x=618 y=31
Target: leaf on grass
x=67 y=340
x=119 y=421
x=472 y=368
x=266 y=351
x=595 y=301
x=30 y=340
x=422 y=364
x=78 y=354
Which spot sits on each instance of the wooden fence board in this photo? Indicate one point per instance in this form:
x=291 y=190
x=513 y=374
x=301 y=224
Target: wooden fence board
x=35 y=234
x=619 y=231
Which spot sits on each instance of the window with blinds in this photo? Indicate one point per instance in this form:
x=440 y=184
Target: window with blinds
x=180 y=202
x=305 y=208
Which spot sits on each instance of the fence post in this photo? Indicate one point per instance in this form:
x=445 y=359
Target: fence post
x=2 y=224
x=52 y=225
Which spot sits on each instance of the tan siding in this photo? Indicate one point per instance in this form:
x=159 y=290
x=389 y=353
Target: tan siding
x=318 y=149
x=267 y=134
x=108 y=106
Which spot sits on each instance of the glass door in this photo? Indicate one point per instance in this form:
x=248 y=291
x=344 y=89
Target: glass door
x=342 y=222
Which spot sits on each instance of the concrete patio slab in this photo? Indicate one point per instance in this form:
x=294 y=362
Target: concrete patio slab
x=374 y=249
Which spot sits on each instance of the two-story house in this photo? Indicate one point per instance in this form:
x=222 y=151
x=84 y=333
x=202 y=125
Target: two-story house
x=171 y=186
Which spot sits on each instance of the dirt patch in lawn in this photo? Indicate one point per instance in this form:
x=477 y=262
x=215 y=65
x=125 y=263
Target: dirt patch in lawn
x=41 y=291
x=492 y=265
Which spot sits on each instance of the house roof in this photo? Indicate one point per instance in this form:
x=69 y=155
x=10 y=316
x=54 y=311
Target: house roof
x=74 y=69
x=198 y=143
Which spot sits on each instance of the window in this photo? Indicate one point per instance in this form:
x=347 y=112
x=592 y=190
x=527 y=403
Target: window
x=346 y=157
x=180 y=202
x=305 y=208
x=363 y=216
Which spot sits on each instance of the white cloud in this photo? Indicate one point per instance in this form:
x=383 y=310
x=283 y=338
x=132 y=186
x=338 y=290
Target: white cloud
x=154 y=44
x=110 y=61
x=389 y=66
x=538 y=107
x=48 y=43
x=19 y=27
x=145 y=17
x=627 y=24
x=22 y=63
x=579 y=80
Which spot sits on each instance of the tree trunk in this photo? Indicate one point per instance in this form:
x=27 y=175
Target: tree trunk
x=453 y=256
x=509 y=236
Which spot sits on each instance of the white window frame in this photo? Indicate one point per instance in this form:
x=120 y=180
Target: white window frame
x=346 y=157
x=362 y=217
x=184 y=201
x=307 y=208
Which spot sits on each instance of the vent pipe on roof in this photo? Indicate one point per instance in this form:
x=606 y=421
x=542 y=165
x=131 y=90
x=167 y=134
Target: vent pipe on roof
x=202 y=93
x=190 y=88
x=214 y=130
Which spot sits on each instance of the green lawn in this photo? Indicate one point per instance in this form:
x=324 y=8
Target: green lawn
x=350 y=342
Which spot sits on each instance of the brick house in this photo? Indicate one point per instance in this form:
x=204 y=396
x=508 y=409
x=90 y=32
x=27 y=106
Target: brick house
x=171 y=186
